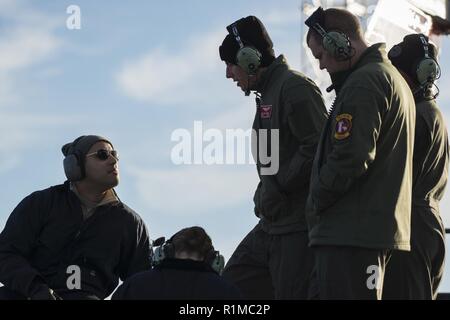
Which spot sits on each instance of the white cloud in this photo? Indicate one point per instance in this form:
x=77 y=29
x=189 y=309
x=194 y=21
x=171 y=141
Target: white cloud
x=194 y=73
x=20 y=132
x=281 y=17
x=153 y=75
x=165 y=77
x=193 y=190
x=27 y=38
x=23 y=47
x=8 y=162
x=240 y=116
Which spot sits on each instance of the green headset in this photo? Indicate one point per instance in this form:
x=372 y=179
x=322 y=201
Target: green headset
x=426 y=69
x=166 y=250
x=247 y=57
x=334 y=42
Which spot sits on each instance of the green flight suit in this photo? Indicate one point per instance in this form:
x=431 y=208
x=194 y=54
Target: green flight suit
x=417 y=274
x=360 y=194
x=274 y=260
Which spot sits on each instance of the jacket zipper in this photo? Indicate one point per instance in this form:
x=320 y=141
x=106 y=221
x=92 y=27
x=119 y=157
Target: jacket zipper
x=327 y=128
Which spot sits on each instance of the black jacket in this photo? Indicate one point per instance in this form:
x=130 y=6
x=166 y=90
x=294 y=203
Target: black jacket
x=176 y=279
x=45 y=234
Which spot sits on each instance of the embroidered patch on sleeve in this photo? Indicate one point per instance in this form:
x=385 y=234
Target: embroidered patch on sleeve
x=343 y=126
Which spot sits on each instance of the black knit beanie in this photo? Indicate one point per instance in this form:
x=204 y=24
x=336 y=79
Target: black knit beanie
x=408 y=53
x=252 y=33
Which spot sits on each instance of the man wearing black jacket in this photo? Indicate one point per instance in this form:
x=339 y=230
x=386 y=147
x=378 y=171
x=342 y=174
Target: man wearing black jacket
x=186 y=267
x=75 y=240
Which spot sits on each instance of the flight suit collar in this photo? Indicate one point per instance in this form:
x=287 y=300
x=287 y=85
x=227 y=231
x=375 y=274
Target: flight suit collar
x=375 y=53
x=269 y=75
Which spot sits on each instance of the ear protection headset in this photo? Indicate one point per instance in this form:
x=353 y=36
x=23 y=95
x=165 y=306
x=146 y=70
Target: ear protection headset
x=426 y=69
x=73 y=162
x=247 y=57
x=335 y=42
x=166 y=250
x=74 y=153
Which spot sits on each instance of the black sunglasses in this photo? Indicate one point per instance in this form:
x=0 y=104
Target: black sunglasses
x=103 y=154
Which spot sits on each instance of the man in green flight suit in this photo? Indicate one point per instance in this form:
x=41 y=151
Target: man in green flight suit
x=359 y=205
x=417 y=274
x=274 y=260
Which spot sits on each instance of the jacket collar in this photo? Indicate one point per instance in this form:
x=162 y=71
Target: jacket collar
x=109 y=198
x=280 y=64
x=374 y=54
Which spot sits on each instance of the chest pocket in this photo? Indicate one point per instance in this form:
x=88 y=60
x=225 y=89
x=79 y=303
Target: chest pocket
x=264 y=114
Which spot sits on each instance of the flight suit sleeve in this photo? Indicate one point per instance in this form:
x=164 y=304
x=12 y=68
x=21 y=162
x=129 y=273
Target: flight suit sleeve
x=137 y=256
x=17 y=241
x=306 y=116
x=422 y=144
x=354 y=132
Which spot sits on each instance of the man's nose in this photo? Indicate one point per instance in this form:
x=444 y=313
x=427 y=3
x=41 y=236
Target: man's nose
x=113 y=159
x=228 y=73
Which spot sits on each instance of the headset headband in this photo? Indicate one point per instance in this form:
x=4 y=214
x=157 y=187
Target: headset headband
x=320 y=30
x=425 y=45
x=236 y=35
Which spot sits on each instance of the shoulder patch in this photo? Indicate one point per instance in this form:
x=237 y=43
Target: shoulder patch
x=343 y=126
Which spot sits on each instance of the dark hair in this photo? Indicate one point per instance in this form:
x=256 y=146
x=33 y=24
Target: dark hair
x=338 y=20
x=192 y=240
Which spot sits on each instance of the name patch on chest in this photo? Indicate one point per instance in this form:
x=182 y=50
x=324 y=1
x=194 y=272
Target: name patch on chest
x=265 y=111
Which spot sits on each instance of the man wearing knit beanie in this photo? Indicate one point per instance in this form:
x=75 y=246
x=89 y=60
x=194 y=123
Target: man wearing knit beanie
x=409 y=57
x=417 y=274
x=74 y=240
x=274 y=261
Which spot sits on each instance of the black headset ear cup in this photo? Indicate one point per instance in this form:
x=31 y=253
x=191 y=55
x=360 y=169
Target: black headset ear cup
x=249 y=59
x=72 y=168
x=163 y=251
x=169 y=250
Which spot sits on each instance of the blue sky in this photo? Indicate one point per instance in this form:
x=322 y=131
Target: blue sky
x=135 y=72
